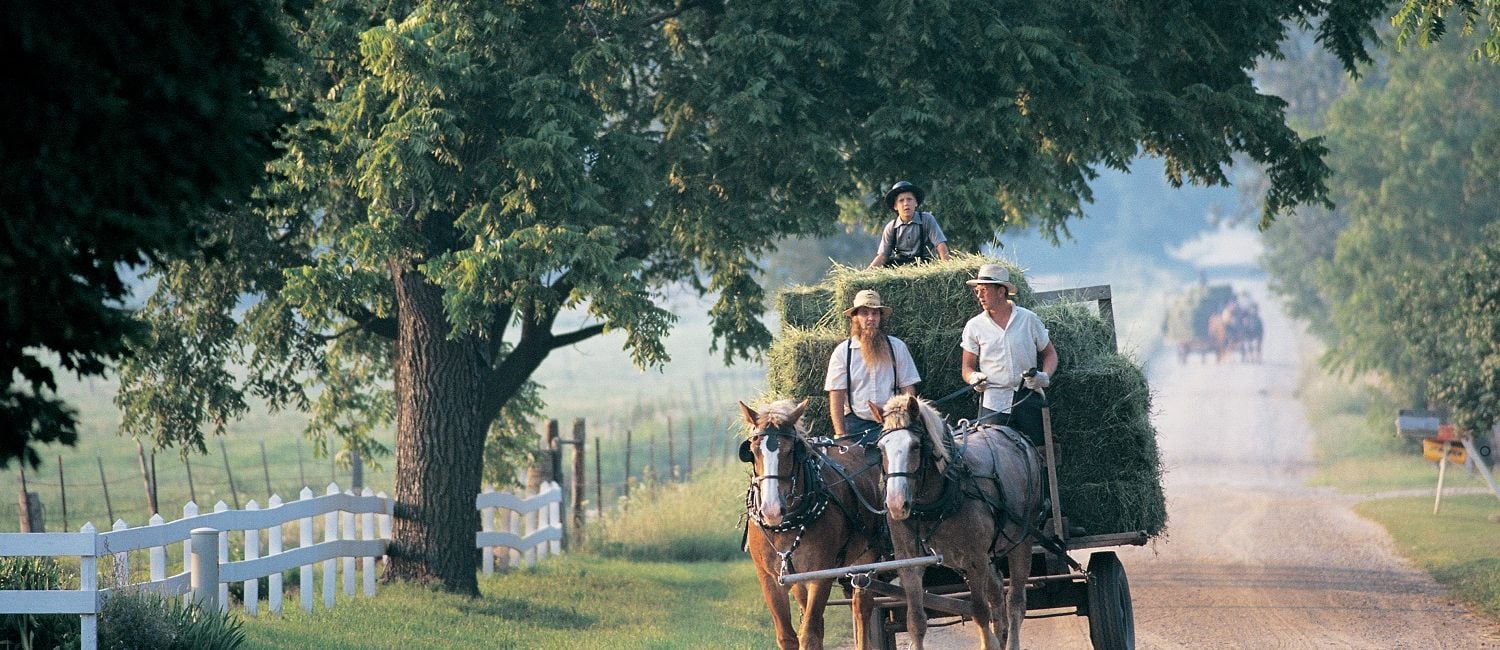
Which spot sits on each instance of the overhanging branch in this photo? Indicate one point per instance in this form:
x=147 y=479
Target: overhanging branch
x=575 y=336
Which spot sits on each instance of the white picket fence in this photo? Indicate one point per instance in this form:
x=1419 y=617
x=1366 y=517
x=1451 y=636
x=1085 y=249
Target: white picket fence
x=521 y=530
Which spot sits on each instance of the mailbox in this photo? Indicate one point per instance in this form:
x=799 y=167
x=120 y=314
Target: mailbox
x=1414 y=424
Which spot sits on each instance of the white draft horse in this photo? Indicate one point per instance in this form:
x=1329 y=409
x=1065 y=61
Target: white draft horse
x=805 y=514
x=969 y=497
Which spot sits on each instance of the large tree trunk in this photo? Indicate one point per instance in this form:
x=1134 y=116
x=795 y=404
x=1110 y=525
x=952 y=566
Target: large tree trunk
x=440 y=430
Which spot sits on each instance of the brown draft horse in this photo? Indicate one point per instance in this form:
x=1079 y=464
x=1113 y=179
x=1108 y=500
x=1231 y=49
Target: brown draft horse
x=968 y=497
x=805 y=514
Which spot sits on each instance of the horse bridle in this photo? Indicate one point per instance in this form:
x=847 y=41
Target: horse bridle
x=949 y=501
x=812 y=499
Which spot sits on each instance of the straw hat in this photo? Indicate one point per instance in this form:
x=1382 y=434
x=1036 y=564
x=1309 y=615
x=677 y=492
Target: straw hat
x=868 y=298
x=993 y=274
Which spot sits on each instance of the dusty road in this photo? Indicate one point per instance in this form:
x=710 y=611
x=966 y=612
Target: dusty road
x=1252 y=559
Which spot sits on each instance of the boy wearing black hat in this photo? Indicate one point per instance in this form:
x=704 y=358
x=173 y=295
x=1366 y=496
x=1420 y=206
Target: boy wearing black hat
x=912 y=236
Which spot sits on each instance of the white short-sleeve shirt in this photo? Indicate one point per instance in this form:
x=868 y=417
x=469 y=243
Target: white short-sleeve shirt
x=1005 y=352
x=863 y=386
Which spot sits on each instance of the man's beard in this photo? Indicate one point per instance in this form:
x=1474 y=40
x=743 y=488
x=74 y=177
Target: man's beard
x=873 y=346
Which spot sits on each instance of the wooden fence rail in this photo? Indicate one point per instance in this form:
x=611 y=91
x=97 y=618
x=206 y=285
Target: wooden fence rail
x=355 y=527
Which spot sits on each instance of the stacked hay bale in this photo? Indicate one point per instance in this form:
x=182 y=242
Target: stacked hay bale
x=1109 y=471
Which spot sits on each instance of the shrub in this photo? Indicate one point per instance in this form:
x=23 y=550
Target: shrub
x=35 y=630
x=143 y=619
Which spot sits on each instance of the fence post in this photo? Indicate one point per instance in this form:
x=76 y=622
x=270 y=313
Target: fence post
x=346 y=531
x=223 y=557
x=304 y=540
x=120 y=576
x=104 y=483
x=534 y=485
x=88 y=582
x=599 y=478
x=274 y=547
x=487 y=524
x=229 y=473
x=140 y=452
x=330 y=534
x=554 y=511
x=367 y=532
x=580 y=481
x=189 y=511
x=252 y=552
x=192 y=491
x=688 y=471
x=62 y=489
x=204 y=577
x=265 y=466
x=626 y=487
x=158 y=553
x=671 y=452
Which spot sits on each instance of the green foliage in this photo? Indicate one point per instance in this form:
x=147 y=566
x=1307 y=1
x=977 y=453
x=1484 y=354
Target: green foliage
x=696 y=521
x=134 y=619
x=1385 y=278
x=42 y=631
x=1426 y=21
x=123 y=126
x=1461 y=330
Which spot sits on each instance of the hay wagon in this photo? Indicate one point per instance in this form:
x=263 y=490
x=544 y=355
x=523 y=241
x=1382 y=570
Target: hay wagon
x=1058 y=585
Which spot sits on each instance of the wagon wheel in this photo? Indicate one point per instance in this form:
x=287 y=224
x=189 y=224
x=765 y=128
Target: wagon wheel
x=1111 y=617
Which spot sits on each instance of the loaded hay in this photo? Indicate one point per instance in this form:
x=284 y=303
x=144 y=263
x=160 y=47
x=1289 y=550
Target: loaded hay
x=1109 y=469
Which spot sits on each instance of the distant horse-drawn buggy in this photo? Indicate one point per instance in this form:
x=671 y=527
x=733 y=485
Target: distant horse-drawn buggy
x=944 y=519
x=1211 y=320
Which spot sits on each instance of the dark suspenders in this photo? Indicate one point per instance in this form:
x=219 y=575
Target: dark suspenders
x=849 y=376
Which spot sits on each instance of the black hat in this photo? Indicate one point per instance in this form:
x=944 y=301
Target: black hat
x=897 y=189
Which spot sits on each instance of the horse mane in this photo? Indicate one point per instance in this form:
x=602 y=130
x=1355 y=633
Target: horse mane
x=932 y=420
x=778 y=414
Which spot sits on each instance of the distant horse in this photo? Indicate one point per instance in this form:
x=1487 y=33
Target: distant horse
x=1221 y=333
x=968 y=497
x=805 y=515
x=1250 y=332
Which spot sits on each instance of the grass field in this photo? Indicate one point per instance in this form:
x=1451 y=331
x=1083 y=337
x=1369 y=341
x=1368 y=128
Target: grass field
x=1457 y=546
x=1360 y=454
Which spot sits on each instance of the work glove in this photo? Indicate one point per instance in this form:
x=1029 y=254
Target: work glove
x=979 y=381
x=1038 y=381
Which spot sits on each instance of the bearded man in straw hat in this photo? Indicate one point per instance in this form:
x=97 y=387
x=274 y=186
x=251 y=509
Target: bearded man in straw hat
x=882 y=368
x=999 y=346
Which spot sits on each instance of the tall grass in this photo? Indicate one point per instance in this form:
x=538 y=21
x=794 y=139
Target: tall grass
x=678 y=522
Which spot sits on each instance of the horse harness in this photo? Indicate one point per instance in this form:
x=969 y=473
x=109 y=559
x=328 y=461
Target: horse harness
x=960 y=482
x=814 y=497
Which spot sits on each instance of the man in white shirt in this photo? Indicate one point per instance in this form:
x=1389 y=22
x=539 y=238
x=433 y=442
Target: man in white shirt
x=999 y=346
x=882 y=367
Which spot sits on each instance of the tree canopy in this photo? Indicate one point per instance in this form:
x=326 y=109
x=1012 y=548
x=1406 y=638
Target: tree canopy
x=1427 y=21
x=122 y=125
x=1395 y=278
x=462 y=172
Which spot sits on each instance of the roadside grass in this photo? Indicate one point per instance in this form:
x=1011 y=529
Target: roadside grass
x=1457 y=546
x=666 y=571
x=567 y=602
x=1359 y=453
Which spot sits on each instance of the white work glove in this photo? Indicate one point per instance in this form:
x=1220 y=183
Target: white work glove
x=979 y=381
x=1038 y=381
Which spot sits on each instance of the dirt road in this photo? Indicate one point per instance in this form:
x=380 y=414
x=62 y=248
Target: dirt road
x=1253 y=559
